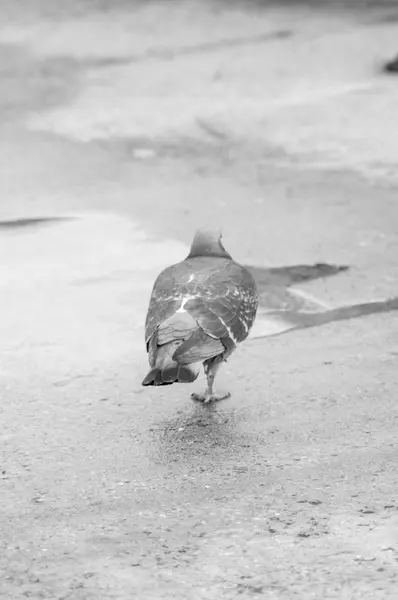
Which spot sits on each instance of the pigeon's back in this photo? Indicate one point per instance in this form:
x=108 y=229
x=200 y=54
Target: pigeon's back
x=211 y=289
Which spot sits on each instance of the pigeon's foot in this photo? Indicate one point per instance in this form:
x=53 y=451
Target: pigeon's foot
x=206 y=398
x=211 y=367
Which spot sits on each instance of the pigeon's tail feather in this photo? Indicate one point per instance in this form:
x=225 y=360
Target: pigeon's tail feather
x=167 y=371
x=154 y=377
x=177 y=374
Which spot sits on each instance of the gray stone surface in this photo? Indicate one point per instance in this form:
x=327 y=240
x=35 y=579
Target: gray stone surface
x=140 y=122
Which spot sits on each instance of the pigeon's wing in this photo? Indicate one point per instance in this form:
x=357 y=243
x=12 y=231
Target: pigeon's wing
x=164 y=302
x=228 y=307
x=225 y=307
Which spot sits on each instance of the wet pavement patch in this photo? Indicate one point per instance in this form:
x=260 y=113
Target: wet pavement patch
x=31 y=222
x=287 y=276
x=274 y=286
x=283 y=309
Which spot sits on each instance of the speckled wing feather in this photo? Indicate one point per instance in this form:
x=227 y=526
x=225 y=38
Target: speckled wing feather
x=165 y=300
x=220 y=295
x=225 y=307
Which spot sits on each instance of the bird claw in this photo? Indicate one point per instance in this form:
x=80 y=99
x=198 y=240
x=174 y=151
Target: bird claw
x=206 y=398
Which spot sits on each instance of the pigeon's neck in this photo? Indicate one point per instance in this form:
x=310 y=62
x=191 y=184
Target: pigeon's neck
x=216 y=251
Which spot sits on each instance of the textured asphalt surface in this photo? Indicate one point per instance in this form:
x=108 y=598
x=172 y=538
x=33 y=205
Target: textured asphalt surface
x=111 y=491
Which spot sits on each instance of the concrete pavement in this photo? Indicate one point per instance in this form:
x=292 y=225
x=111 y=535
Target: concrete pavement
x=288 y=489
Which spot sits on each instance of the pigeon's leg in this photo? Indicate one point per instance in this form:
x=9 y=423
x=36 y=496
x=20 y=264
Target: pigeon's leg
x=211 y=367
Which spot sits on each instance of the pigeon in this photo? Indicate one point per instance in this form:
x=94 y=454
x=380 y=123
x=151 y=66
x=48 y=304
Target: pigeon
x=200 y=310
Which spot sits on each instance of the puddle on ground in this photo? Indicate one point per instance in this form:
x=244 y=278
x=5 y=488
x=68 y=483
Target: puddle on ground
x=274 y=322
x=283 y=308
x=287 y=276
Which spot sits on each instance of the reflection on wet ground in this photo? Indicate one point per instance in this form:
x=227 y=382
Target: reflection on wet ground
x=275 y=283
x=283 y=309
x=286 y=276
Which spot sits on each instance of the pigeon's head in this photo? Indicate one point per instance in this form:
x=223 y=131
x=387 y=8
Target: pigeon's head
x=208 y=243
